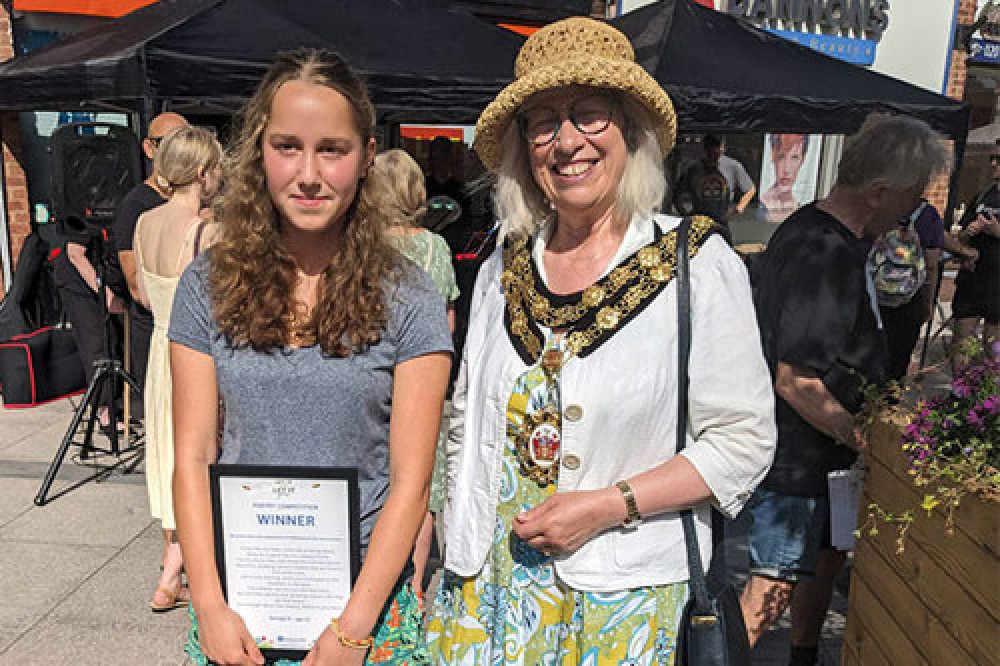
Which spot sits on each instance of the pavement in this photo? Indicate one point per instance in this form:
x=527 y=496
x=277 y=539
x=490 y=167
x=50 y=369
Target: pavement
x=78 y=573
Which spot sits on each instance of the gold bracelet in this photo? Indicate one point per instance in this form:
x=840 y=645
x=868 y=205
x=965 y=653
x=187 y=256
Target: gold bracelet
x=632 y=517
x=346 y=641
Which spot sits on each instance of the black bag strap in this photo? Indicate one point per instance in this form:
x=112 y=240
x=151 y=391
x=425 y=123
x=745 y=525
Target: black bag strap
x=696 y=573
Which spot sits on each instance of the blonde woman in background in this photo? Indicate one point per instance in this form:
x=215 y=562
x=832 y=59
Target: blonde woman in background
x=167 y=238
x=399 y=184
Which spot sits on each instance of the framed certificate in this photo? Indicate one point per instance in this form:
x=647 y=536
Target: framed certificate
x=288 y=549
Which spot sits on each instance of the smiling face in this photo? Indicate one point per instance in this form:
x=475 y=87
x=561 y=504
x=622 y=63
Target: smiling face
x=314 y=156
x=579 y=173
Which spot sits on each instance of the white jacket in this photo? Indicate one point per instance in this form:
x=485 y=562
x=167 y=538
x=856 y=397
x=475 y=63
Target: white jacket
x=619 y=417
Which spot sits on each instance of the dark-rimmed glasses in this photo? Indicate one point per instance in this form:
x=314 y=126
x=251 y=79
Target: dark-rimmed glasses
x=590 y=115
x=155 y=140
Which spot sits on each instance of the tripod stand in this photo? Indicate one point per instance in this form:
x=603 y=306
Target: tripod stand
x=103 y=389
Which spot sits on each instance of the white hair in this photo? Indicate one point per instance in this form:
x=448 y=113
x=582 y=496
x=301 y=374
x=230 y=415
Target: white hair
x=521 y=205
x=899 y=152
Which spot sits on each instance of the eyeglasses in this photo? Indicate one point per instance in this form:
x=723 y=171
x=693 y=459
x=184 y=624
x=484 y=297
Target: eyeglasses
x=155 y=140
x=994 y=159
x=590 y=115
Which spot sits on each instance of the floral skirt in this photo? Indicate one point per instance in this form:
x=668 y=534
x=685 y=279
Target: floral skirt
x=399 y=636
x=517 y=612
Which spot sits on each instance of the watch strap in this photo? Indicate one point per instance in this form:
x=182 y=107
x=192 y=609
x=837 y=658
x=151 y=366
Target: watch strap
x=632 y=515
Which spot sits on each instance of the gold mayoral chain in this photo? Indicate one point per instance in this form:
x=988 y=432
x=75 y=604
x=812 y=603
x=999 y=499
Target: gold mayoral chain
x=538 y=442
x=592 y=316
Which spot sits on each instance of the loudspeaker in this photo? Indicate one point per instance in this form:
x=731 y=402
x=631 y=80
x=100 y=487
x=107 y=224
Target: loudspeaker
x=94 y=166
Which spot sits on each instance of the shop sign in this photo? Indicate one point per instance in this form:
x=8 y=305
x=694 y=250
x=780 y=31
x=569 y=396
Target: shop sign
x=984 y=46
x=845 y=29
x=857 y=18
x=855 y=51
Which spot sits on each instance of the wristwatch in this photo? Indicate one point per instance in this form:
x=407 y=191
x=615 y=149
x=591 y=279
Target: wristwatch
x=632 y=515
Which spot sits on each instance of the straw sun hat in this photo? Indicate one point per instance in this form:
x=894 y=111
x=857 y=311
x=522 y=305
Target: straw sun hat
x=574 y=51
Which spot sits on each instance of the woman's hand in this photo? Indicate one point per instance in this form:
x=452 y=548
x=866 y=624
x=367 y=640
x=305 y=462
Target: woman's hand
x=329 y=651
x=566 y=521
x=225 y=639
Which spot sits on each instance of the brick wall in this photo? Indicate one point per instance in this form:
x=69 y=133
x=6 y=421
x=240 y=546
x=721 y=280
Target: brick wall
x=937 y=192
x=15 y=186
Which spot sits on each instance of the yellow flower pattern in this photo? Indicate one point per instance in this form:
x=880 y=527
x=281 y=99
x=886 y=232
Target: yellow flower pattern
x=517 y=612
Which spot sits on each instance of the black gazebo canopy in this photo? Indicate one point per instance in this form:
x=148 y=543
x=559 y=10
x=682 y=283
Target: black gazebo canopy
x=726 y=74
x=421 y=59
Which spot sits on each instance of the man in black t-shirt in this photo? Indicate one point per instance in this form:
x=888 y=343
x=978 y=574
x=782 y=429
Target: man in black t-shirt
x=821 y=335
x=144 y=196
x=703 y=189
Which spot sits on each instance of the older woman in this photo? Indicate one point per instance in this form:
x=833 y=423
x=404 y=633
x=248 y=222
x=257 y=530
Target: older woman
x=564 y=541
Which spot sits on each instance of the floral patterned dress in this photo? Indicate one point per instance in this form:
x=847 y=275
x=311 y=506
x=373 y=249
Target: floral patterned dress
x=430 y=251
x=399 y=639
x=517 y=612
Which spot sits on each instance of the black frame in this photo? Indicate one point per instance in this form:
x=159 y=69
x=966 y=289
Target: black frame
x=347 y=474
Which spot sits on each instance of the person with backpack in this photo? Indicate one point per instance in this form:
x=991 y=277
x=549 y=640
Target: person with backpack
x=906 y=267
x=816 y=309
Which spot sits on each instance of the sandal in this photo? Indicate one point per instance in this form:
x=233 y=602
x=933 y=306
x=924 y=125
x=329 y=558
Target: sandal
x=178 y=599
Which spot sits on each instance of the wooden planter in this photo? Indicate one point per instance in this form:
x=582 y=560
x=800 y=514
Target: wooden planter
x=938 y=603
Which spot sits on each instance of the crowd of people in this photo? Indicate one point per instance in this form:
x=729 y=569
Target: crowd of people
x=288 y=307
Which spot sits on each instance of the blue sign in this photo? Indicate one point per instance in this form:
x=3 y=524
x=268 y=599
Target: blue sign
x=850 y=49
x=985 y=50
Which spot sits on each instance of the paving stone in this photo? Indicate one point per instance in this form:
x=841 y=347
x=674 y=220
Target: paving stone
x=96 y=514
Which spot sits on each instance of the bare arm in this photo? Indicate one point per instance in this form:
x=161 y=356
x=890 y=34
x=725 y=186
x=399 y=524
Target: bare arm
x=127 y=260
x=803 y=390
x=224 y=637
x=566 y=521
x=932 y=257
x=418 y=393
x=745 y=200
x=77 y=255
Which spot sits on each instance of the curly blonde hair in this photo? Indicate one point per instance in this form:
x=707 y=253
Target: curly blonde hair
x=253 y=274
x=398 y=186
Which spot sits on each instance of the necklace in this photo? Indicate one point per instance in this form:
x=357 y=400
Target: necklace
x=300 y=325
x=593 y=315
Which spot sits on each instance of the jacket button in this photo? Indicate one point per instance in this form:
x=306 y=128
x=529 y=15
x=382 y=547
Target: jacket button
x=573 y=412
x=571 y=461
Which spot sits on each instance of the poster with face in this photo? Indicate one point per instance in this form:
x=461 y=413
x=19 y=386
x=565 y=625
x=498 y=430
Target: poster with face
x=789 y=170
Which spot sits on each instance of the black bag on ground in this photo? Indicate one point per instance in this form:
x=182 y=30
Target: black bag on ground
x=40 y=367
x=712 y=632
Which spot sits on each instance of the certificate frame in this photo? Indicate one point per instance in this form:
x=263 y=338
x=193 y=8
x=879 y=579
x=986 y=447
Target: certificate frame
x=221 y=474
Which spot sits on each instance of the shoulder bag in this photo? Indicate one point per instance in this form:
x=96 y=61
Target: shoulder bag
x=711 y=632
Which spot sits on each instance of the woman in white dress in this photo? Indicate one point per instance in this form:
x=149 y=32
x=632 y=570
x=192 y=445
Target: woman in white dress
x=167 y=238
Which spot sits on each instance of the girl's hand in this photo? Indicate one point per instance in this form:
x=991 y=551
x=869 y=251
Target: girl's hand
x=566 y=521
x=225 y=639
x=328 y=651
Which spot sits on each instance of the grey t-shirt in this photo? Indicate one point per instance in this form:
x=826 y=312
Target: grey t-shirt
x=297 y=406
x=735 y=175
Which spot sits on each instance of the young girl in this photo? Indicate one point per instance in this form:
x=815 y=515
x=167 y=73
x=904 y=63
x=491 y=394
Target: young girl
x=166 y=239
x=325 y=347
